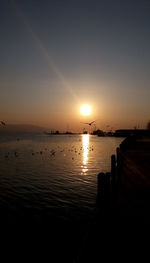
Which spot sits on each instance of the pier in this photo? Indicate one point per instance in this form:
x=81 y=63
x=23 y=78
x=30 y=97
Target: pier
x=122 y=226
x=129 y=179
x=123 y=205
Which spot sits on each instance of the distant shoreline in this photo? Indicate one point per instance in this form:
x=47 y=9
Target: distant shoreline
x=14 y=130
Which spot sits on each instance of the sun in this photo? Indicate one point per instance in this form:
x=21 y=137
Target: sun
x=85 y=109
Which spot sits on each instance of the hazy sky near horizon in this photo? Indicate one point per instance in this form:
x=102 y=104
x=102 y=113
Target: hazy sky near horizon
x=56 y=55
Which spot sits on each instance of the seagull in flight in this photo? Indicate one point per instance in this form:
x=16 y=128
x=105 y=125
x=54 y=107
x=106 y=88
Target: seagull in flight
x=89 y=123
x=3 y=123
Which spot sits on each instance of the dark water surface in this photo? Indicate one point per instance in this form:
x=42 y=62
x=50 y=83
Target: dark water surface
x=48 y=187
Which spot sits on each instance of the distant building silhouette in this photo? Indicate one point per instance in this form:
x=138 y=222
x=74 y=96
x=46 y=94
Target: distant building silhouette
x=148 y=125
x=98 y=132
x=136 y=132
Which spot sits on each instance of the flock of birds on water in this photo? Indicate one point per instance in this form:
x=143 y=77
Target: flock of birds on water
x=51 y=152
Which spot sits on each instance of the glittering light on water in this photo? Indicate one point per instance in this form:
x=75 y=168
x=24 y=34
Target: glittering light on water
x=85 y=146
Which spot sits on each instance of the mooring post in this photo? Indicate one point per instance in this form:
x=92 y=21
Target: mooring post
x=118 y=163
x=113 y=167
x=101 y=192
x=113 y=172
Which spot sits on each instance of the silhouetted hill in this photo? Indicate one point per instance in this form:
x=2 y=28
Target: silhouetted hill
x=22 y=128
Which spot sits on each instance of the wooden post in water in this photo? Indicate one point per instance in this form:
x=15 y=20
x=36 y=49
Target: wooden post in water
x=101 y=188
x=118 y=166
x=113 y=174
x=108 y=191
x=113 y=168
x=103 y=193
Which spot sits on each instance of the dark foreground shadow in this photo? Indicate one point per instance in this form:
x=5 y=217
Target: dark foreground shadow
x=118 y=239
x=53 y=241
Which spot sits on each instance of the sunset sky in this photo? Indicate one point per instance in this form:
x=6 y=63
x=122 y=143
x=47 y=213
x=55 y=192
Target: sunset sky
x=59 y=54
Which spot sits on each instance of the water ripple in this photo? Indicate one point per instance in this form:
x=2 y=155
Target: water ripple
x=52 y=175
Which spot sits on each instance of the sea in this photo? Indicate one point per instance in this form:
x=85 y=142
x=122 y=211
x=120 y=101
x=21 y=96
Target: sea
x=50 y=181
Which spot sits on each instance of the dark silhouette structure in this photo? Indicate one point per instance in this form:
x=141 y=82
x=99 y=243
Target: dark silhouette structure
x=148 y=125
x=123 y=202
x=129 y=179
x=130 y=132
x=98 y=132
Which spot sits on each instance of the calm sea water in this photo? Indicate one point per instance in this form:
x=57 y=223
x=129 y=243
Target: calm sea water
x=55 y=176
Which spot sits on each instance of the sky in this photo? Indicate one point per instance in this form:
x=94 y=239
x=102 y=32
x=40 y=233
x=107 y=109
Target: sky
x=57 y=55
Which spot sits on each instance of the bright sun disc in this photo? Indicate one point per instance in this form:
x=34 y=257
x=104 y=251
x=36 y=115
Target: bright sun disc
x=85 y=109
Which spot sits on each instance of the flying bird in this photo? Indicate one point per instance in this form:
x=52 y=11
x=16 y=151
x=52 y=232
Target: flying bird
x=89 y=123
x=3 y=123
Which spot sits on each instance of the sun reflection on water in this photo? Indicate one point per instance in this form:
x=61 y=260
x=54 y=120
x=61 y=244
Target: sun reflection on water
x=85 y=146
